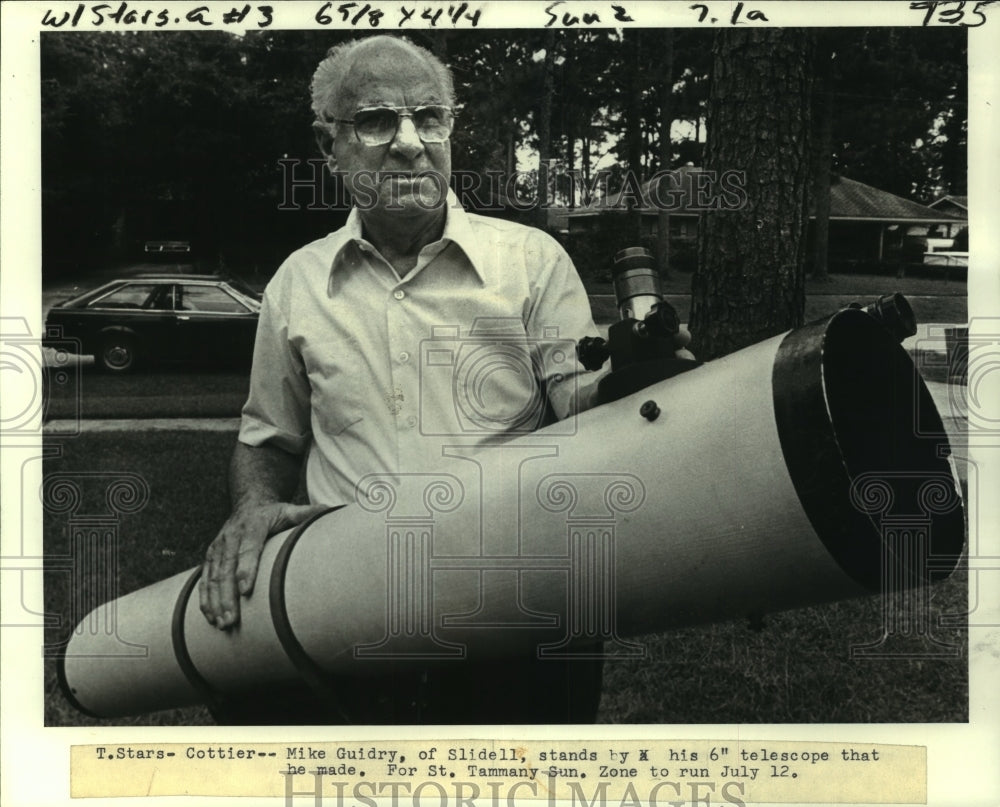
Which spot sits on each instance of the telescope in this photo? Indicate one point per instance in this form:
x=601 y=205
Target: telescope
x=808 y=468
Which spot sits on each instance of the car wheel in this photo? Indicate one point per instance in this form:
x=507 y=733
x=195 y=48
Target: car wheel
x=118 y=354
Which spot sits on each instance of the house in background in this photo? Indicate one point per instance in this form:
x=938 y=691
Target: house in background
x=956 y=205
x=867 y=225
x=951 y=246
x=683 y=208
x=557 y=219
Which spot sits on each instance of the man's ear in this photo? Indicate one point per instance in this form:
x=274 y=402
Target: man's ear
x=324 y=139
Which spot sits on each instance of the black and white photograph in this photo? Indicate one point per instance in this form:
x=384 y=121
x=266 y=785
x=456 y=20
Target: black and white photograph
x=436 y=367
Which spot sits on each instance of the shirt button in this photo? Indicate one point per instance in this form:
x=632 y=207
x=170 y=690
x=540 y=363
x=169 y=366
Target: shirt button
x=399 y=294
x=404 y=357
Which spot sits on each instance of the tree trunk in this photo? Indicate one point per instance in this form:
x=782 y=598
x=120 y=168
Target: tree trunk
x=545 y=128
x=666 y=149
x=824 y=154
x=571 y=123
x=955 y=151
x=634 y=131
x=750 y=283
x=510 y=153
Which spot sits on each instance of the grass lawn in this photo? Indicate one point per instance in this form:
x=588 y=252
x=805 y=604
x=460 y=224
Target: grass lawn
x=185 y=474
x=796 y=667
x=159 y=393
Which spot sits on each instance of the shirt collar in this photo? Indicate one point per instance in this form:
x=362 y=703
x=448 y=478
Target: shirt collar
x=457 y=230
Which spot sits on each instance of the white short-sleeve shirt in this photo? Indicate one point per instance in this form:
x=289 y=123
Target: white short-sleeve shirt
x=369 y=373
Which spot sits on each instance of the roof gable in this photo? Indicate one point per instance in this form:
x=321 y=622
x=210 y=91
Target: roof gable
x=956 y=201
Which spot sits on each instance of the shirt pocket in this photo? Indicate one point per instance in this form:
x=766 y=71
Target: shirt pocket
x=338 y=375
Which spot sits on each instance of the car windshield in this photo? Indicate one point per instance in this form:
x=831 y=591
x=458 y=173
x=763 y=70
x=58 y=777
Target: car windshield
x=243 y=288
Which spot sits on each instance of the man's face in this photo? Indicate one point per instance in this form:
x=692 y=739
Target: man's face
x=392 y=76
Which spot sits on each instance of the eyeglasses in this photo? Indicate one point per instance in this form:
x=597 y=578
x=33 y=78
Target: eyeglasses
x=377 y=126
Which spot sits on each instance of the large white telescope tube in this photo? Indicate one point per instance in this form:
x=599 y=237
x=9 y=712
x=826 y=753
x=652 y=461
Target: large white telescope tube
x=773 y=478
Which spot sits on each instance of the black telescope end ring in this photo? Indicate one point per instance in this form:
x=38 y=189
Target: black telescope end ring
x=68 y=692
x=851 y=410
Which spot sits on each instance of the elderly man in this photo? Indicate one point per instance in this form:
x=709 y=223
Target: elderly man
x=335 y=377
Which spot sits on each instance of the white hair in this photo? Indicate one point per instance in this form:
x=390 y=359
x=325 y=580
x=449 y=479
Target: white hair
x=328 y=80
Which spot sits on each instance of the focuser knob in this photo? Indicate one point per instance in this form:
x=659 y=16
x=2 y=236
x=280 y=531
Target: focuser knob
x=661 y=321
x=592 y=351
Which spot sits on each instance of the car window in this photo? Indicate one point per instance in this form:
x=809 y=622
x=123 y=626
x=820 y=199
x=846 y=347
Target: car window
x=131 y=295
x=161 y=300
x=209 y=298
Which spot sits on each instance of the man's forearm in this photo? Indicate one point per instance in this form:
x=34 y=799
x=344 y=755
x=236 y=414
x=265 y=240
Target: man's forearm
x=262 y=475
x=585 y=396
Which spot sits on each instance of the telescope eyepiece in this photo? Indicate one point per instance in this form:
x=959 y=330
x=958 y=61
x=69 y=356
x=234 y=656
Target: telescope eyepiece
x=636 y=282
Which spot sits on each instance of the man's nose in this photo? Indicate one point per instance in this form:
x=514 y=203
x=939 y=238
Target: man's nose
x=406 y=142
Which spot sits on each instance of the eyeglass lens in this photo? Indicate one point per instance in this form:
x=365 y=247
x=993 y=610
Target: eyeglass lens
x=375 y=127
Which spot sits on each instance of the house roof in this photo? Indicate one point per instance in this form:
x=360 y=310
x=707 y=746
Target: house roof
x=855 y=201
x=850 y=200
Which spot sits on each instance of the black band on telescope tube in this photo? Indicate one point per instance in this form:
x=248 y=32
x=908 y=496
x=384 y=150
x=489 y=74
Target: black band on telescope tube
x=179 y=642
x=862 y=441
x=314 y=675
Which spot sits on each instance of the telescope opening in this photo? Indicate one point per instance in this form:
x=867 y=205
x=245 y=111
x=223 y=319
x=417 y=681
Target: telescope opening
x=867 y=451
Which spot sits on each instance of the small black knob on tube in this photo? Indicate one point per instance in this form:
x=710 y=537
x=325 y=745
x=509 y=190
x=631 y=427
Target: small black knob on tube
x=650 y=411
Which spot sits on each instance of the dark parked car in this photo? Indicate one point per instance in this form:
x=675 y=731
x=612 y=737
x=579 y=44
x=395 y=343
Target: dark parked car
x=162 y=317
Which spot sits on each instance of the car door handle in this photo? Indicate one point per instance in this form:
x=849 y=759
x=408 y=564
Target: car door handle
x=183 y=318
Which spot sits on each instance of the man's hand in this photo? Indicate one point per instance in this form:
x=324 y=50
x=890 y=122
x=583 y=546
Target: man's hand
x=230 y=567
x=681 y=341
